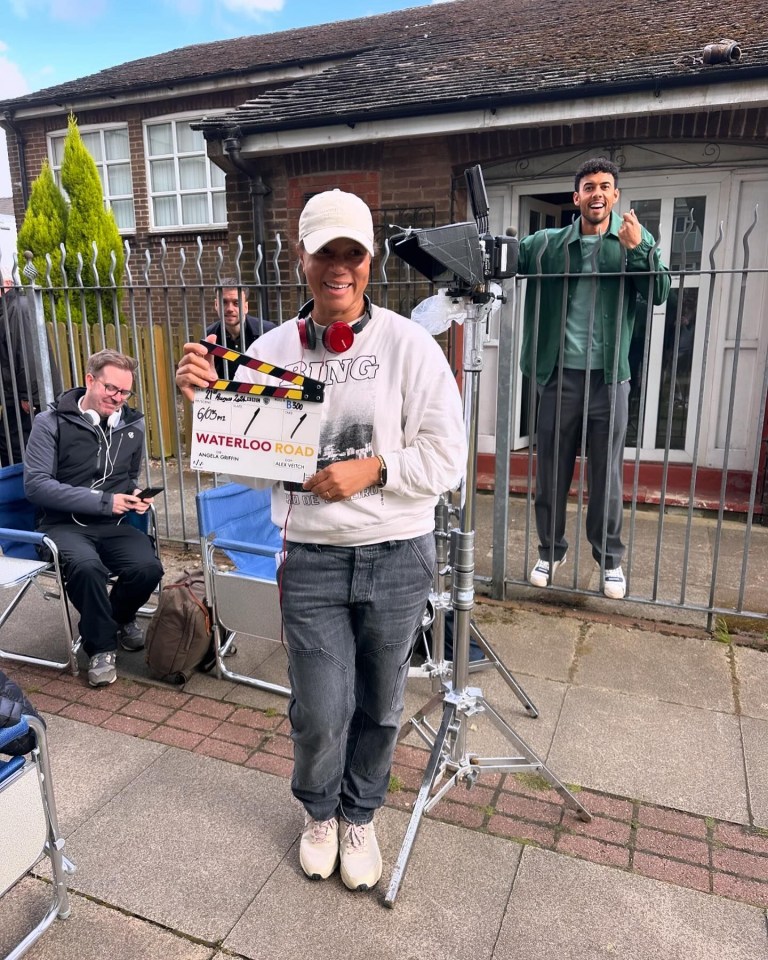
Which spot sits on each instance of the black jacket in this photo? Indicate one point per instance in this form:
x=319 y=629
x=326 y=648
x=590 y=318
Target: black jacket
x=72 y=466
x=251 y=329
x=13 y=704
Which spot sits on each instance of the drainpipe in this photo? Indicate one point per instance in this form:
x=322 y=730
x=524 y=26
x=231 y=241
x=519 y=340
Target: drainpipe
x=258 y=191
x=8 y=118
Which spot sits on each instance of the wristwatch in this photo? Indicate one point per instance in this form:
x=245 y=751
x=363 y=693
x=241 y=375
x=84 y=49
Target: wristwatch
x=382 y=471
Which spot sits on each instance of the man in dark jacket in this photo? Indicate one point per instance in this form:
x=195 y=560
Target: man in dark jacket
x=81 y=470
x=235 y=328
x=14 y=705
x=19 y=393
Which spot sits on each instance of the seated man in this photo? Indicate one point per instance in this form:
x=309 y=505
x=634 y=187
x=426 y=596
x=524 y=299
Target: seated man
x=81 y=470
x=240 y=328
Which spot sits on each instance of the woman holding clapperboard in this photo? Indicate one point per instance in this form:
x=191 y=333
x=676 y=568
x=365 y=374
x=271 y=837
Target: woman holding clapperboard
x=359 y=549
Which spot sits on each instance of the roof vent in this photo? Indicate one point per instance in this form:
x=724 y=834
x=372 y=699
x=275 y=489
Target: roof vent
x=725 y=51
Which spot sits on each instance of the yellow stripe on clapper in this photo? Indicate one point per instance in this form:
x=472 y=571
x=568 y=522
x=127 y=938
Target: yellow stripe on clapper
x=310 y=390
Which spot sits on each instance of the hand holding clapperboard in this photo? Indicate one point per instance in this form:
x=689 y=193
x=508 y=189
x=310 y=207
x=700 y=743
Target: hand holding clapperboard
x=253 y=430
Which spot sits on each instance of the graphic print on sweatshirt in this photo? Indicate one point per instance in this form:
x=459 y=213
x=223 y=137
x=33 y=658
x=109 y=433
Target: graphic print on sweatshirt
x=348 y=435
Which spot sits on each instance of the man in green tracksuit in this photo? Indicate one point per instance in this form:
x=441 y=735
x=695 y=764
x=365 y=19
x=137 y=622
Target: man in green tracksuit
x=579 y=314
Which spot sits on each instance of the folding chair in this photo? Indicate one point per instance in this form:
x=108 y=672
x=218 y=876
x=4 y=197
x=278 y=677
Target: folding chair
x=29 y=826
x=21 y=566
x=236 y=520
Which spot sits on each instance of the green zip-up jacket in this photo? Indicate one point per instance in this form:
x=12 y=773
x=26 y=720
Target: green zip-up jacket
x=562 y=254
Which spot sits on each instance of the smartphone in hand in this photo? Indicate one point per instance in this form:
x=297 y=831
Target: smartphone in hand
x=148 y=492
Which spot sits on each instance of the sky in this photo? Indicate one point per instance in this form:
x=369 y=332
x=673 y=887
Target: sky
x=47 y=42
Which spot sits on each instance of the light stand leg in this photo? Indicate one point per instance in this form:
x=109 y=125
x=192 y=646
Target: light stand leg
x=449 y=748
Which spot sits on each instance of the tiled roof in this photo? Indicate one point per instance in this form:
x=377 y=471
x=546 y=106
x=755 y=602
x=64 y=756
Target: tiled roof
x=448 y=56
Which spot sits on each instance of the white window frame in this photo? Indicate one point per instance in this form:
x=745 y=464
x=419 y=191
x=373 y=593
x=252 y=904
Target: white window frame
x=101 y=165
x=210 y=189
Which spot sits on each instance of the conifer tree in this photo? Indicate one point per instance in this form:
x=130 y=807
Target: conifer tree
x=44 y=228
x=89 y=222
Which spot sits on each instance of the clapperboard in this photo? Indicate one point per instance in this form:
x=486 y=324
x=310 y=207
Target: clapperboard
x=255 y=430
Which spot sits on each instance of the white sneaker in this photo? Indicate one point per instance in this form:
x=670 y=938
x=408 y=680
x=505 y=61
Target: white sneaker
x=614 y=585
x=360 y=856
x=319 y=847
x=540 y=574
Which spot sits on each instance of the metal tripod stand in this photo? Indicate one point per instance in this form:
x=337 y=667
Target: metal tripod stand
x=436 y=667
x=460 y=702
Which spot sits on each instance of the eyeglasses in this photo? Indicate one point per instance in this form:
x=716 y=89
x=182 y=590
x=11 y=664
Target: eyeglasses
x=112 y=391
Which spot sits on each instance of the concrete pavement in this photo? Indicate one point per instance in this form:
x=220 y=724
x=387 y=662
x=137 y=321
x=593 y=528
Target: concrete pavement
x=176 y=807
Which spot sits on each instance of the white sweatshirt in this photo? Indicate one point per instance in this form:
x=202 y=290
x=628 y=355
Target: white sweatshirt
x=392 y=394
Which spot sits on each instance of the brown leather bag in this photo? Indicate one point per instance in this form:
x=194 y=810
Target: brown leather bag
x=179 y=634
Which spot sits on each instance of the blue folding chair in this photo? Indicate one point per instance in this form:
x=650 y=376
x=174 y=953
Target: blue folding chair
x=29 y=827
x=236 y=520
x=21 y=566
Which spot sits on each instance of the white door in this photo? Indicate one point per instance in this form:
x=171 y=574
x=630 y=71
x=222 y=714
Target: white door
x=685 y=221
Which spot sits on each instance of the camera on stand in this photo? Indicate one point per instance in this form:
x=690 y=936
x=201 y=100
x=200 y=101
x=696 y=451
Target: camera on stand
x=466 y=256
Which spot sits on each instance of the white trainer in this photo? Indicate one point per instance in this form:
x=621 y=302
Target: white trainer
x=319 y=847
x=614 y=585
x=360 y=856
x=540 y=574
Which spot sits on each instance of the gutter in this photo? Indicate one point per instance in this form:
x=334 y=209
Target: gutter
x=543 y=111
x=257 y=191
x=657 y=87
x=8 y=122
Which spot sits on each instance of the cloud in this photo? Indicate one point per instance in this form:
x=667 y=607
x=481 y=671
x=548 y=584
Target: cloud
x=13 y=84
x=12 y=81
x=252 y=8
x=61 y=10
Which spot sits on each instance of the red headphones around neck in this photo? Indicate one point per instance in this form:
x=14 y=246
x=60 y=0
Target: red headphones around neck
x=337 y=337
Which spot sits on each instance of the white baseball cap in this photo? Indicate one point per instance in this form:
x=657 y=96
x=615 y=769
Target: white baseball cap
x=332 y=215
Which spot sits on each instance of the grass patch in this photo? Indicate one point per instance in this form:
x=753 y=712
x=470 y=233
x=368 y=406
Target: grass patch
x=721 y=631
x=533 y=781
x=395 y=784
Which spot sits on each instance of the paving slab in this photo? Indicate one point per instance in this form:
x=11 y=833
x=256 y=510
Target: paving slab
x=450 y=905
x=92 y=931
x=567 y=909
x=752 y=674
x=528 y=643
x=91 y=765
x=755 y=733
x=665 y=753
x=188 y=844
x=684 y=670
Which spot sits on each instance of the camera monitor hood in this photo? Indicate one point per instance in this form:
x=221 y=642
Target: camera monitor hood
x=442 y=254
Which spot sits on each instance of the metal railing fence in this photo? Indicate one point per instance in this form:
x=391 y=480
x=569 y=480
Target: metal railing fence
x=685 y=551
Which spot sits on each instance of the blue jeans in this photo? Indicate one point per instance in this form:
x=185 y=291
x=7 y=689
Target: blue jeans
x=350 y=616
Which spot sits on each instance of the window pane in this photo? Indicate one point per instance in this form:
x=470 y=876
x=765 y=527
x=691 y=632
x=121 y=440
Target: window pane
x=123 y=211
x=194 y=208
x=57 y=149
x=217 y=175
x=119 y=179
x=192 y=172
x=166 y=214
x=219 y=208
x=92 y=143
x=160 y=139
x=116 y=144
x=190 y=141
x=163 y=174
x=649 y=214
x=677 y=369
x=687 y=235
